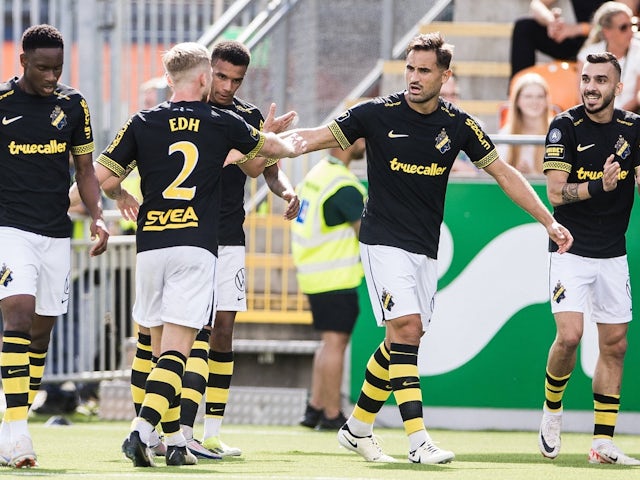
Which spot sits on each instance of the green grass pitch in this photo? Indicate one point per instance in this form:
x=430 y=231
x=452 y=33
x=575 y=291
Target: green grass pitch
x=92 y=450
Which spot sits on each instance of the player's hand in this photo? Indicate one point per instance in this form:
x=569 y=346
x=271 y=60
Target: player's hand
x=561 y=236
x=128 y=205
x=610 y=175
x=298 y=145
x=99 y=235
x=293 y=207
x=279 y=124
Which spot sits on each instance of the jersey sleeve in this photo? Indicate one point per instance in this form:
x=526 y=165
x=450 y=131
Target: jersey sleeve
x=350 y=126
x=120 y=155
x=82 y=139
x=244 y=137
x=558 y=149
x=478 y=146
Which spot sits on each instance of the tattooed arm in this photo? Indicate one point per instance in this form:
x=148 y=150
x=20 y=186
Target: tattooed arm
x=560 y=192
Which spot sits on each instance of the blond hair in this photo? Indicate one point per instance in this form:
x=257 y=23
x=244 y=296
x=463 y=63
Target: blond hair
x=184 y=60
x=602 y=19
x=514 y=123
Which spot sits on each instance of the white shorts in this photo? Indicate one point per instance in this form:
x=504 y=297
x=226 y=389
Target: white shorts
x=399 y=282
x=32 y=264
x=231 y=295
x=577 y=284
x=174 y=285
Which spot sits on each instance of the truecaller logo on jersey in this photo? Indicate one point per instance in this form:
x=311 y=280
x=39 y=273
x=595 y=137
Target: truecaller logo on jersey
x=443 y=142
x=58 y=118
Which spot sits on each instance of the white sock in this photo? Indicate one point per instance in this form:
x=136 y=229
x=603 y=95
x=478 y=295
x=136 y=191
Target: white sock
x=144 y=428
x=598 y=442
x=211 y=427
x=176 y=439
x=359 y=428
x=416 y=439
x=18 y=428
x=187 y=431
x=5 y=432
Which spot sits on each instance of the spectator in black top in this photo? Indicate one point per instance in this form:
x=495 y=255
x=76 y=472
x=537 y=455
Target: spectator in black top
x=546 y=30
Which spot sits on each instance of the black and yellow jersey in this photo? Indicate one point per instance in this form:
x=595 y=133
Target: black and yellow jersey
x=37 y=136
x=232 y=213
x=179 y=149
x=577 y=145
x=409 y=158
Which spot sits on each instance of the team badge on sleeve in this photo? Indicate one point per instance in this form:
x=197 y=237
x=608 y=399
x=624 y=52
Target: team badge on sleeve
x=554 y=135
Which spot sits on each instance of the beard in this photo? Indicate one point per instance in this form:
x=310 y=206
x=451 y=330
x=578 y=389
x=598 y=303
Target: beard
x=606 y=101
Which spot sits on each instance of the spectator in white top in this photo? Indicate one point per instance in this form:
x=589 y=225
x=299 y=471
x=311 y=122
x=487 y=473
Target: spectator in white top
x=612 y=30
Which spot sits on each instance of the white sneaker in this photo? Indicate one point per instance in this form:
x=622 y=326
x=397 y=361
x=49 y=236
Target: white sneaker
x=429 y=453
x=199 y=451
x=22 y=454
x=609 y=453
x=549 y=435
x=5 y=453
x=216 y=445
x=367 y=447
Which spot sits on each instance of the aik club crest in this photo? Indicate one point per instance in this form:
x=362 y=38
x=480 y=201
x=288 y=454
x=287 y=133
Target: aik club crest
x=443 y=143
x=58 y=118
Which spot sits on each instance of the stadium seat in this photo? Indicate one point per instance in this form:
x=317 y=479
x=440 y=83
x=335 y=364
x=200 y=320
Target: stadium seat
x=562 y=78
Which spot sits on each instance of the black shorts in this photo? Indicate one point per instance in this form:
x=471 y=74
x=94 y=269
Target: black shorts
x=334 y=311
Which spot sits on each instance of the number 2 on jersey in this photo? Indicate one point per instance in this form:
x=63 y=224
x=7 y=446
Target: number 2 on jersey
x=190 y=153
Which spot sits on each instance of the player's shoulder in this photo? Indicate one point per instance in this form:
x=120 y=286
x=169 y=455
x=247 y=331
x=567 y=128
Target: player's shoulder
x=627 y=118
x=7 y=88
x=391 y=101
x=68 y=93
x=244 y=106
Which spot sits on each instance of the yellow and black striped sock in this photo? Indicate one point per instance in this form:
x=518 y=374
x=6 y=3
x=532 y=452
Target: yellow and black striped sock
x=36 y=371
x=405 y=381
x=376 y=388
x=605 y=415
x=554 y=388
x=140 y=369
x=196 y=375
x=171 y=418
x=163 y=386
x=220 y=373
x=14 y=365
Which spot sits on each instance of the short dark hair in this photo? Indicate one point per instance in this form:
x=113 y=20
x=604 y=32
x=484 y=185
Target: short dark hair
x=231 y=51
x=433 y=41
x=41 y=36
x=605 y=57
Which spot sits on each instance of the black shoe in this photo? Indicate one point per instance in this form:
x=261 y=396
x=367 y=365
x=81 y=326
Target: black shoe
x=177 y=456
x=137 y=451
x=311 y=417
x=331 y=423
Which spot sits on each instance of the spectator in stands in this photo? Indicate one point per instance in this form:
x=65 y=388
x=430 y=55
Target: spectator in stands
x=529 y=113
x=546 y=30
x=35 y=244
x=613 y=31
x=325 y=251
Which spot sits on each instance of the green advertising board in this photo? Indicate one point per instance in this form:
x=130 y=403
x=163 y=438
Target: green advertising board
x=492 y=327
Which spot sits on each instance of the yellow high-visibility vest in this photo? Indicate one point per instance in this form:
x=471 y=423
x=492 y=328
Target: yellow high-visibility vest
x=327 y=258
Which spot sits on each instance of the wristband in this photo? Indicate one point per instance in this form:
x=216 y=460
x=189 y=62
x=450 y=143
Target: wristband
x=595 y=187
